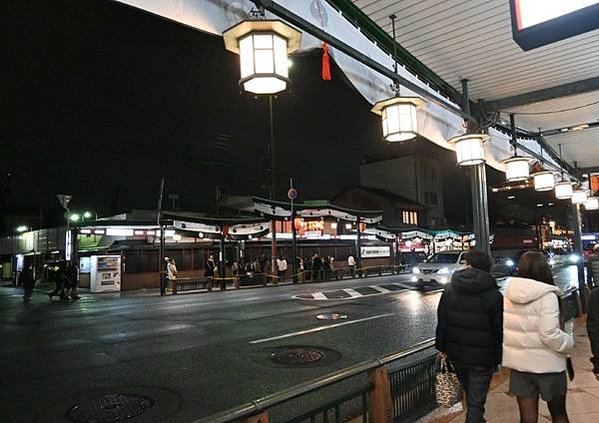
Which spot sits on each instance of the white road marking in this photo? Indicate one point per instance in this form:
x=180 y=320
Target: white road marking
x=380 y=289
x=319 y=296
x=353 y=292
x=320 y=328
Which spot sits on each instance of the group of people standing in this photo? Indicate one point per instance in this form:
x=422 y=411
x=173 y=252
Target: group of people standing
x=65 y=276
x=479 y=329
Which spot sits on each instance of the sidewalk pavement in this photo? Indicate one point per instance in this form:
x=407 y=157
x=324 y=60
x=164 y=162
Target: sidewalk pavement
x=582 y=400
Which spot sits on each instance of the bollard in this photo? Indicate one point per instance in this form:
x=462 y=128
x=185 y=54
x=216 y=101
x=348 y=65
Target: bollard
x=380 y=410
x=380 y=270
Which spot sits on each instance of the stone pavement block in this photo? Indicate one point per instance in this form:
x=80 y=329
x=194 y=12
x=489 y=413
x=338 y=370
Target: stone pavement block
x=577 y=402
x=593 y=391
x=584 y=418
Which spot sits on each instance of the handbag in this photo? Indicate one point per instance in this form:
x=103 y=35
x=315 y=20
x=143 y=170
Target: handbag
x=448 y=387
x=570 y=368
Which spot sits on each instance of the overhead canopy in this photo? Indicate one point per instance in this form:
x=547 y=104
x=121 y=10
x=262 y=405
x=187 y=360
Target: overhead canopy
x=472 y=39
x=438 y=121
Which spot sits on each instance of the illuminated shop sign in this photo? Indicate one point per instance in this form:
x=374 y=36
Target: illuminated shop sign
x=536 y=23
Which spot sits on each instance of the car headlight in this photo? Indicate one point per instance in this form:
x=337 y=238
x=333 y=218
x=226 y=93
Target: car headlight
x=443 y=271
x=574 y=258
x=510 y=263
x=415 y=270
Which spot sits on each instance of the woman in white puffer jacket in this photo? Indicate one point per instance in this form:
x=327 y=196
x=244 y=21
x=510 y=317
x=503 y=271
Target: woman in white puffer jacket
x=534 y=346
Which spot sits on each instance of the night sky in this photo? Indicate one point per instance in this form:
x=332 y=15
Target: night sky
x=101 y=95
x=100 y=98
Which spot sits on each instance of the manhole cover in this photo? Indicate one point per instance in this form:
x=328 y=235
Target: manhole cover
x=110 y=408
x=331 y=316
x=297 y=356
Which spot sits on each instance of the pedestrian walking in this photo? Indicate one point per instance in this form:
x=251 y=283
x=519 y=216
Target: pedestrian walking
x=171 y=273
x=235 y=268
x=469 y=329
x=281 y=267
x=593 y=329
x=72 y=275
x=59 y=280
x=351 y=263
x=534 y=345
x=27 y=282
x=316 y=266
x=209 y=267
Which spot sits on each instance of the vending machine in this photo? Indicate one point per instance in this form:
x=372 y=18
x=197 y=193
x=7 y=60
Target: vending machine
x=105 y=273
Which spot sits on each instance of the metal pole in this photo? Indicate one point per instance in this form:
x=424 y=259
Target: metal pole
x=273 y=185
x=293 y=237
x=222 y=273
x=161 y=259
x=480 y=205
x=358 y=245
x=579 y=253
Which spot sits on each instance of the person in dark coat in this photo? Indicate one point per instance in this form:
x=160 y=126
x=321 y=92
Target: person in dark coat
x=209 y=266
x=470 y=329
x=28 y=283
x=593 y=329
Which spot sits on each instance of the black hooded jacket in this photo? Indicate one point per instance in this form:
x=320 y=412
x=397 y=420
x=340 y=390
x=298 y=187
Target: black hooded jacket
x=470 y=319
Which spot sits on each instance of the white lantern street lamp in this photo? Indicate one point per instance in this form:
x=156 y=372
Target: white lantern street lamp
x=469 y=149
x=517 y=169
x=399 y=116
x=579 y=196
x=592 y=203
x=544 y=181
x=263 y=46
x=563 y=190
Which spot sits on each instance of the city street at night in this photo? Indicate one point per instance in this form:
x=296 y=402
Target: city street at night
x=196 y=354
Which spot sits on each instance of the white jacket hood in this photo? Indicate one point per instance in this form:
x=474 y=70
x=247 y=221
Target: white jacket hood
x=524 y=291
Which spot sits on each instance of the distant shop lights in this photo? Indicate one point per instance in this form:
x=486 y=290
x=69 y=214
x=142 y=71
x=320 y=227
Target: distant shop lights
x=263 y=46
x=469 y=149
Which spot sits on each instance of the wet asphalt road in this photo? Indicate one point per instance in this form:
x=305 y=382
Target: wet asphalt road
x=196 y=354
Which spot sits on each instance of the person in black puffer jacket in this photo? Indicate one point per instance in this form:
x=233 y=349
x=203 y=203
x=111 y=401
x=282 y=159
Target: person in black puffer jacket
x=470 y=329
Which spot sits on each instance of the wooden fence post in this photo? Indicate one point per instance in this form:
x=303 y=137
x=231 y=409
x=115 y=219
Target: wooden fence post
x=380 y=398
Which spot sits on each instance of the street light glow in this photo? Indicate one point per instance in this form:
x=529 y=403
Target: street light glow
x=87 y=214
x=75 y=217
x=22 y=228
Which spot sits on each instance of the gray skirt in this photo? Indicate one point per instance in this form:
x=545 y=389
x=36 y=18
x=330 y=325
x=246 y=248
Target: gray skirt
x=548 y=385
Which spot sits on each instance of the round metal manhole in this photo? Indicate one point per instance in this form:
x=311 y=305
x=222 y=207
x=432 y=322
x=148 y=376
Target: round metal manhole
x=331 y=316
x=297 y=356
x=113 y=407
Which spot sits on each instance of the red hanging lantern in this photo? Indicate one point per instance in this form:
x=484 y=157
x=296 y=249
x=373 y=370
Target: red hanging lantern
x=362 y=226
x=297 y=223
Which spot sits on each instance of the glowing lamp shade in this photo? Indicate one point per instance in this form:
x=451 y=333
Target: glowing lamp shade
x=579 y=196
x=544 y=181
x=592 y=203
x=469 y=149
x=263 y=47
x=516 y=169
x=563 y=190
x=399 y=117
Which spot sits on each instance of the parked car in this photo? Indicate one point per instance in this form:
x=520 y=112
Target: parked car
x=438 y=269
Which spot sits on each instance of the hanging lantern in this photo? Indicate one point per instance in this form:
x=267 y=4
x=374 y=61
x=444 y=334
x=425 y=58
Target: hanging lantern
x=263 y=46
x=469 y=149
x=544 y=181
x=399 y=117
x=579 y=196
x=563 y=190
x=517 y=169
x=592 y=203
